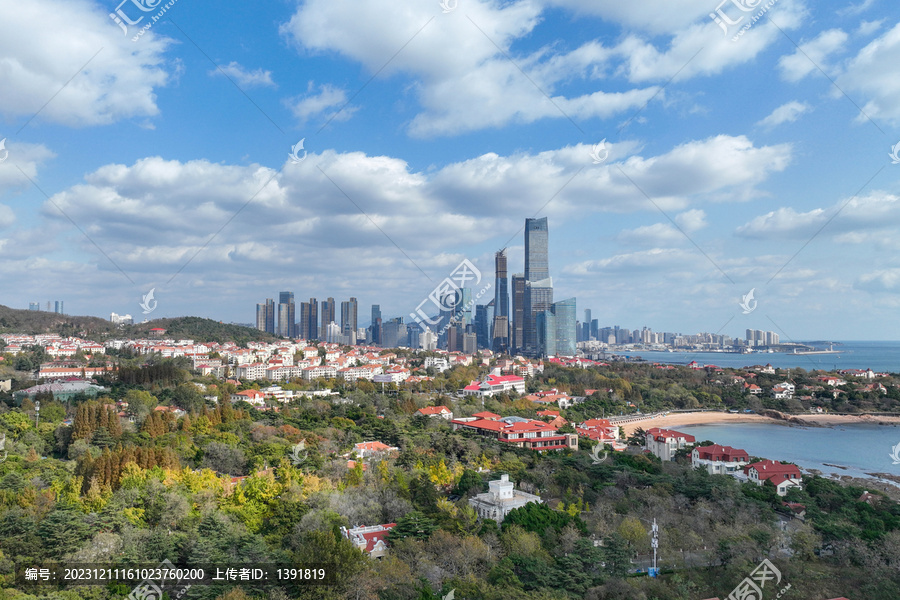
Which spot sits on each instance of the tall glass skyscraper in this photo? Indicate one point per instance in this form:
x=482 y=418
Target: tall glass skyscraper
x=556 y=329
x=537 y=263
x=538 y=285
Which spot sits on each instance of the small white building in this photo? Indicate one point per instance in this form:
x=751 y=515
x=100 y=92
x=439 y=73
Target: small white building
x=501 y=498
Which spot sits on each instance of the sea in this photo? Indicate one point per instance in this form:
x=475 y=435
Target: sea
x=878 y=356
x=856 y=449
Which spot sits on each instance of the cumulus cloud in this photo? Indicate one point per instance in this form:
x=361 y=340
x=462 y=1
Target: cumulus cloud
x=244 y=77
x=813 y=55
x=875 y=73
x=45 y=44
x=877 y=210
x=329 y=101
x=786 y=113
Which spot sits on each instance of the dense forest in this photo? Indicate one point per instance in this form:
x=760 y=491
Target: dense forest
x=223 y=484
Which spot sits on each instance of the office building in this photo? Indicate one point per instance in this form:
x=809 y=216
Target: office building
x=265 y=316
x=375 y=329
x=537 y=263
x=484 y=316
x=34 y=306
x=538 y=285
x=309 y=319
x=499 y=327
x=538 y=299
x=517 y=328
x=58 y=308
x=348 y=317
x=395 y=333
x=328 y=312
x=556 y=329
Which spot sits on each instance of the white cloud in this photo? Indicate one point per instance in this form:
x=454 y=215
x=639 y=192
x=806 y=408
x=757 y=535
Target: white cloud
x=243 y=77
x=812 y=55
x=786 y=113
x=875 y=73
x=867 y=28
x=463 y=81
x=24 y=156
x=691 y=220
x=328 y=97
x=44 y=44
x=877 y=210
x=882 y=280
x=7 y=216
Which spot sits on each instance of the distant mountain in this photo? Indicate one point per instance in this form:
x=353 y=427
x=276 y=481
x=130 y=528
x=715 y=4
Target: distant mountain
x=33 y=322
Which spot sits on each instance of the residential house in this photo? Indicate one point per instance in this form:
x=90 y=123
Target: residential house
x=436 y=411
x=370 y=540
x=720 y=460
x=782 y=475
x=665 y=442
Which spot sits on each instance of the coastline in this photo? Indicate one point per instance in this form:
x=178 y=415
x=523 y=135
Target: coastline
x=674 y=420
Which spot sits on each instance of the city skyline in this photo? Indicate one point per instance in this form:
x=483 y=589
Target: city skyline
x=347 y=151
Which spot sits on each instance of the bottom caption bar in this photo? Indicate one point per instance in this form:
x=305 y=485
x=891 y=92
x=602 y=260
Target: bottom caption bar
x=168 y=575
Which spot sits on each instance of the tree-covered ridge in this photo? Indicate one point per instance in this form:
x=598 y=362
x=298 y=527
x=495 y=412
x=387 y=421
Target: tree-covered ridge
x=224 y=484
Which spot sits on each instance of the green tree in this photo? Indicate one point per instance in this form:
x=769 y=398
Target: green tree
x=413 y=524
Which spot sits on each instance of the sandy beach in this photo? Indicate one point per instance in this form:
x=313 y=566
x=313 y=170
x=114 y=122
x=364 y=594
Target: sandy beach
x=673 y=420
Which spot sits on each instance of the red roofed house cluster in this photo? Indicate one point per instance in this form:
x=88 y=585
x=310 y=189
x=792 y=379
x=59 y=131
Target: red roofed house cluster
x=720 y=460
x=518 y=431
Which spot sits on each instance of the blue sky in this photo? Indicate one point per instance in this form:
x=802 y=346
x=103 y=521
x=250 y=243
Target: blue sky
x=430 y=136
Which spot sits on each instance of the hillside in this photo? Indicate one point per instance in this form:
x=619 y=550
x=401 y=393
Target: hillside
x=13 y=320
x=198 y=329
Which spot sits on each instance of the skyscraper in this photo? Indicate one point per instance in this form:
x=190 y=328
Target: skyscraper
x=309 y=319
x=499 y=327
x=517 y=342
x=556 y=329
x=538 y=298
x=286 y=314
x=348 y=317
x=313 y=319
x=537 y=264
x=376 y=333
x=328 y=310
x=395 y=334
x=265 y=316
x=538 y=285
x=58 y=307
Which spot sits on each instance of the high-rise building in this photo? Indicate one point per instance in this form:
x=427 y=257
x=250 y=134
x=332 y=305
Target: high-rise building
x=482 y=324
x=34 y=306
x=556 y=329
x=565 y=326
x=395 y=333
x=348 y=317
x=328 y=312
x=499 y=326
x=595 y=330
x=287 y=316
x=517 y=329
x=265 y=316
x=376 y=332
x=537 y=263
x=58 y=307
x=538 y=285
x=501 y=285
x=538 y=298
x=309 y=319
